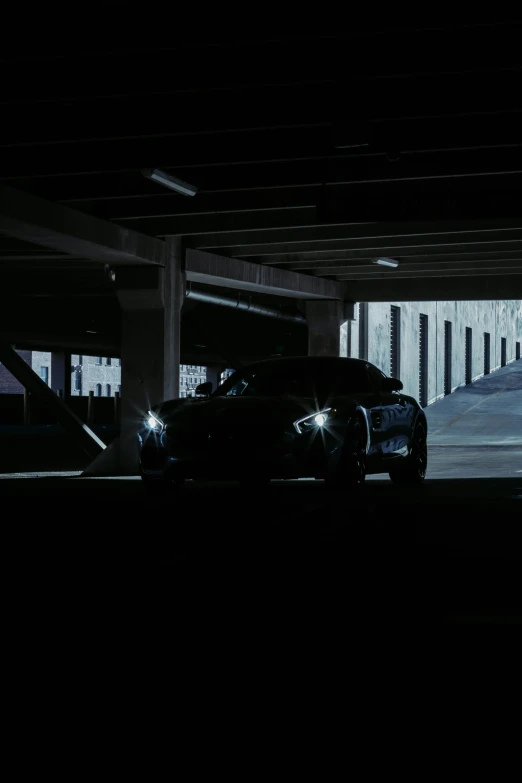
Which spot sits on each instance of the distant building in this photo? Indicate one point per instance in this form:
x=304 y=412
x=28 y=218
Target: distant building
x=8 y=383
x=225 y=374
x=99 y=374
x=191 y=375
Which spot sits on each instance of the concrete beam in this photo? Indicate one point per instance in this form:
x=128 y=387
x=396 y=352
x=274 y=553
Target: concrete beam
x=86 y=438
x=356 y=235
x=439 y=289
x=425 y=274
x=337 y=259
x=39 y=341
x=45 y=223
x=213 y=269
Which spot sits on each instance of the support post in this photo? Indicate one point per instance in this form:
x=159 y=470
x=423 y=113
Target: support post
x=116 y=408
x=173 y=301
x=90 y=443
x=347 y=329
x=27 y=408
x=90 y=409
x=214 y=374
x=58 y=371
x=363 y=330
x=150 y=354
x=324 y=327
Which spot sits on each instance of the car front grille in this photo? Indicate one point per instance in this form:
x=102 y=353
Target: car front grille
x=224 y=436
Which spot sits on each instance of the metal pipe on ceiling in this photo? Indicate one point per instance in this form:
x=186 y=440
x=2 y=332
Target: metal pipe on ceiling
x=239 y=303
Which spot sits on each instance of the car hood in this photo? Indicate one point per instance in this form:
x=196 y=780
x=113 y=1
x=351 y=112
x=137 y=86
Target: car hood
x=245 y=409
x=245 y=412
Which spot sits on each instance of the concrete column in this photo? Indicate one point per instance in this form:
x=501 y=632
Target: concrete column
x=150 y=353
x=173 y=299
x=347 y=328
x=61 y=373
x=363 y=331
x=345 y=341
x=324 y=319
x=214 y=374
x=142 y=358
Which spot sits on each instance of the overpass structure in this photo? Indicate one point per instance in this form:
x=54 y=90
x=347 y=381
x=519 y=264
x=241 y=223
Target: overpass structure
x=309 y=158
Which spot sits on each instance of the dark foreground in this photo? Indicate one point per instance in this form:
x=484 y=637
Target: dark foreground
x=449 y=552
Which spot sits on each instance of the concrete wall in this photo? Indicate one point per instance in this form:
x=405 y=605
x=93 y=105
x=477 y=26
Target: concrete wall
x=499 y=318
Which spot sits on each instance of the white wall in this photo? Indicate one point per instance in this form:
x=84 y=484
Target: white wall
x=499 y=318
x=41 y=359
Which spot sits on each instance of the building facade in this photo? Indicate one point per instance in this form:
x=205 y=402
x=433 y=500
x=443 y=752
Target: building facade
x=435 y=347
x=8 y=383
x=99 y=374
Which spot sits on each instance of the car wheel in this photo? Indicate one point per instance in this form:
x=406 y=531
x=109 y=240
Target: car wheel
x=351 y=471
x=413 y=471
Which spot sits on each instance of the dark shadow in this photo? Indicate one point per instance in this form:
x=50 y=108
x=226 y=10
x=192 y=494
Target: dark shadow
x=449 y=550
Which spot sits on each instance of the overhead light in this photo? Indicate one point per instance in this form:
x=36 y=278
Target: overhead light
x=170 y=182
x=386 y=262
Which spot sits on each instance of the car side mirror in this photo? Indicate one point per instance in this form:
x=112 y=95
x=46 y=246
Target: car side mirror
x=204 y=389
x=391 y=385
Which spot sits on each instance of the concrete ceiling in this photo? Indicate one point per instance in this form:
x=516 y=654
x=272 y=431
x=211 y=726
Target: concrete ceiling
x=314 y=153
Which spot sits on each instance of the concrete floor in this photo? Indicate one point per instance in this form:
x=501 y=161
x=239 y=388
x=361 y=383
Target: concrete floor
x=450 y=551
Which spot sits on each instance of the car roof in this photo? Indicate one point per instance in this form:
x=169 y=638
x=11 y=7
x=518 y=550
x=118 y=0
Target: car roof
x=281 y=361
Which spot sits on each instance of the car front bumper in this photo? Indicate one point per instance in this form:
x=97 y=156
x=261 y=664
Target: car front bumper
x=300 y=456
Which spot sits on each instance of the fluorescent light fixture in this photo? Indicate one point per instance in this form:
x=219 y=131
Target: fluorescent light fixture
x=386 y=262
x=170 y=182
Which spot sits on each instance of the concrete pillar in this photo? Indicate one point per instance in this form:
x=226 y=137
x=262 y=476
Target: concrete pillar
x=324 y=319
x=142 y=358
x=214 y=374
x=363 y=330
x=150 y=353
x=173 y=302
x=61 y=373
x=345 y=339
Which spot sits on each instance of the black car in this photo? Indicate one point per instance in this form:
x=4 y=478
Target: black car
x=330 y=418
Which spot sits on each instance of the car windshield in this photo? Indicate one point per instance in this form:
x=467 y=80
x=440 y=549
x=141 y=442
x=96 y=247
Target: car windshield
x=296 y=380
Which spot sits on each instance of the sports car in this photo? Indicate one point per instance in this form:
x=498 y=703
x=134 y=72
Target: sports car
x=335 y=419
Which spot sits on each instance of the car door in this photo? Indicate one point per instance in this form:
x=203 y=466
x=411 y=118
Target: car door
x=374 y=407
x=395 y=419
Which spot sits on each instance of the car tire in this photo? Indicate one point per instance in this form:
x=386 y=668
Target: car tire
x=350 y=474
x=413 y=471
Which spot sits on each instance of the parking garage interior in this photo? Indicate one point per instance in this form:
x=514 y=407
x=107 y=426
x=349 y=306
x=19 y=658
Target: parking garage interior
x=306 y=165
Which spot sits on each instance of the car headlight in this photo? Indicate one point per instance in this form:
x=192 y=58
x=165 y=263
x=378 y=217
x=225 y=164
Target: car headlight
x=153 y=423
x=313 y=421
